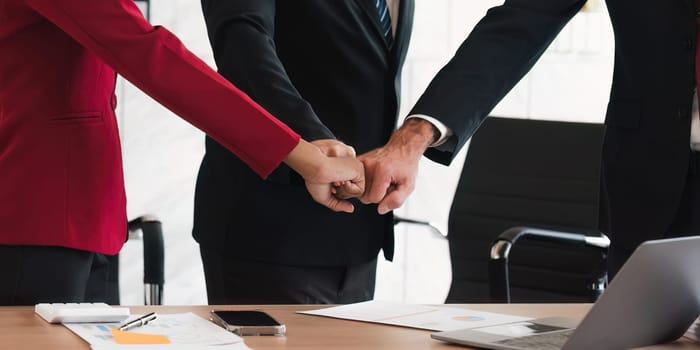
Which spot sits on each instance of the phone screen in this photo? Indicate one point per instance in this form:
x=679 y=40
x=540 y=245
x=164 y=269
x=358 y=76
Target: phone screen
x=246 y=318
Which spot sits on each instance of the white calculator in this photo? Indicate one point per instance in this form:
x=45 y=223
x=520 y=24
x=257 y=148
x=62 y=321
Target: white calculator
x=80 y=312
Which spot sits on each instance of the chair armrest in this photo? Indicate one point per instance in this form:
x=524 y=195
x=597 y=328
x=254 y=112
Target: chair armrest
x=433 y=227
x=153 y=257
x=580 y=237
x=499 y=283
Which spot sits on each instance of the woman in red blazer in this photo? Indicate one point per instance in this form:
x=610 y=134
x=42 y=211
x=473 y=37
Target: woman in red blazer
x=62 y=199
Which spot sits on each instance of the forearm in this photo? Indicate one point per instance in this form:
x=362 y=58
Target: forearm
x=154 y=60
x=242 y=34
x=413 y=137
x=305 y=159
x=500 y=50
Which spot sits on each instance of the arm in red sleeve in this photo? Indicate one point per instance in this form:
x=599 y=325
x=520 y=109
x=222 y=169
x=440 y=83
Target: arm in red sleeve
x=154 y=60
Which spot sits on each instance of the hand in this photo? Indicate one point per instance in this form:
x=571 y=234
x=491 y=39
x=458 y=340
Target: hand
x=347 y=190
x=335 y=148
x=321 y=173
x=391 y=170
x=333 y=194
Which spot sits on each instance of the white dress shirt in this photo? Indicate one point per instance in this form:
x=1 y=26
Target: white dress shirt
x=393 y=6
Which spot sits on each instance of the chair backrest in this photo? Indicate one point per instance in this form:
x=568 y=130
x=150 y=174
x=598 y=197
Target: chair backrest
x=522 y=172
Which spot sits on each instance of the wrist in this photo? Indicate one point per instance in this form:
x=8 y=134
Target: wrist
x=305 y=159
x=414 y=136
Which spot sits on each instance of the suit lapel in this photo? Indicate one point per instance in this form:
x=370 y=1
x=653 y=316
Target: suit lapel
x=370 y=10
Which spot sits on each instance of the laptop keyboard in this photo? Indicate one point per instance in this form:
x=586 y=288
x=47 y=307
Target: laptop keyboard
x=544 y=341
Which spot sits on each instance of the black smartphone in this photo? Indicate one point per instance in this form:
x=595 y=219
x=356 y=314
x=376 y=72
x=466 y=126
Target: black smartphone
x=247 y=322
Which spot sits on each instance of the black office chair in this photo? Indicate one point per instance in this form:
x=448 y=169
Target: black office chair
x=432 y=226
x=535 y=183
x=145 y=6
x=150 y=230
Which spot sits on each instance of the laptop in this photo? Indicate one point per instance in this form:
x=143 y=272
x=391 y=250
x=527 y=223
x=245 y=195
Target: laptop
x=653 y=299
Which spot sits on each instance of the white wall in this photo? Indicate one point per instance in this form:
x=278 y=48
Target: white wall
x=162 y=153
x=161 y=158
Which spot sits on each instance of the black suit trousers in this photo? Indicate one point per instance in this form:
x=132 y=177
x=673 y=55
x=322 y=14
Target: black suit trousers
x=42 y=274
x=232 y=280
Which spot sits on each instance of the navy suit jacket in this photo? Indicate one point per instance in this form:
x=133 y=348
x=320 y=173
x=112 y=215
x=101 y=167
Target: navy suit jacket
x=646 y=148
x=325 y=69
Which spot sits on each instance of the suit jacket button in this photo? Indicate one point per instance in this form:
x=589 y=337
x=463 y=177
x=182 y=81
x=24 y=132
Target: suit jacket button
x=113 y=101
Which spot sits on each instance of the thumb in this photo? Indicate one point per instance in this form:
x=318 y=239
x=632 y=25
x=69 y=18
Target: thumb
x=394 y=199
x=338 y=205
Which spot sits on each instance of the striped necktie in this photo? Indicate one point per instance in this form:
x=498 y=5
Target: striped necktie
x=385 y=20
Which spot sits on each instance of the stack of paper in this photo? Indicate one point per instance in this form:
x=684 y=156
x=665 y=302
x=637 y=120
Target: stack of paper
x=168 y=331
x=434 y=318
x=694 y=331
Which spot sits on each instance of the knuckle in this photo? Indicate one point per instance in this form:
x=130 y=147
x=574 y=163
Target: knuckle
x=365 y=199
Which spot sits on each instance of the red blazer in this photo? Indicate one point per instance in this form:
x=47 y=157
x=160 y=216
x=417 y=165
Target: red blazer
x=61 y=180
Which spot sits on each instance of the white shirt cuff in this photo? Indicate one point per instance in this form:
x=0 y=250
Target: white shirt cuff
x=444 y=131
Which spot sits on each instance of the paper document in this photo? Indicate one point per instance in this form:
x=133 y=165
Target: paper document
x=434 y=318
x=168 y=331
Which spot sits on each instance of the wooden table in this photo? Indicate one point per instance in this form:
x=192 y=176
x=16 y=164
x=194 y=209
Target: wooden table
x=20 y=328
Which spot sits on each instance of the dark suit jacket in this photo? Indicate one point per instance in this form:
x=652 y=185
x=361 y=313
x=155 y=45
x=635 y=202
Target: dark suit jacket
x=61 y=181
x=324 y=68
x=646 y=150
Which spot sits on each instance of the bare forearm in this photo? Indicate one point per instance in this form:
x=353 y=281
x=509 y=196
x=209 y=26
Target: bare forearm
x=413 y=138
